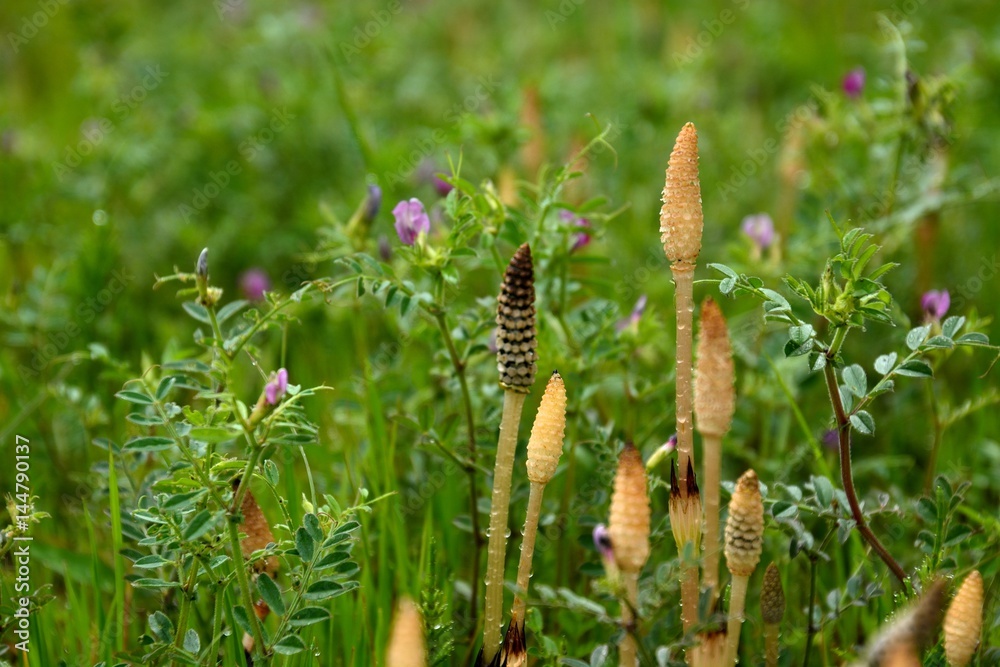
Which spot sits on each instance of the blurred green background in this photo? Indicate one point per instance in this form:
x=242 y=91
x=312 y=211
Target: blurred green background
x=134 y=134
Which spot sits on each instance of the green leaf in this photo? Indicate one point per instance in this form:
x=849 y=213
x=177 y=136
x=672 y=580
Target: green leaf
x=823 y=489
x=726 y=285
x=154 y=583
x=324 y=589
x=793 y=349
x=197 y=311
x=137 y=397
x=180 y=501
x=952 y=325
x=885 y=363
x=311 y=523
x=863 y=422
x=289 y=645
x=917 y=336
x=198 y=526
x=725 y=270
x=166 y=384
x=151 y=561
x=304 y=544
x=242 y=619
x=144 y=419
x=148 y=444
x=230 y=309
x=973 y=338
x=308 y=616
x=915 y=368
x=213 y=434
x=161 y=626
x=927 y=510
x=192 y=643
x=271 y=472
x=801 y=333
x=271 y=594
x=939 y=342
x=856 y=380
x=331 y=559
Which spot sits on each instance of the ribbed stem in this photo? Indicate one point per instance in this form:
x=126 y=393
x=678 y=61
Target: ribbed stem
x=689 y=594
x=684 y=296
x=737 y=604
x=527 y=549
x=627 y=650
x=771 y=644
x=710 y=496
x=513 y=402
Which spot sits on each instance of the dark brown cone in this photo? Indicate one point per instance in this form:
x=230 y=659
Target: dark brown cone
x=258 y=533
x=516 y=342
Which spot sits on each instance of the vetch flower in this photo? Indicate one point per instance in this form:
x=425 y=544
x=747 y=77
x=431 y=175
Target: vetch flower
x=373 y=202
x=662 y=452
x=253 y=283
x=854 y=82
x=633 y=319
x=441 y=186
x=580 y=239
x=760 y=229
x=602 y=542
x=277 y=387
x=935 y=303
x=411 y=220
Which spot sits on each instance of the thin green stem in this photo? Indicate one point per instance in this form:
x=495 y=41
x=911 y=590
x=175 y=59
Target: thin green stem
x=810 y=628
x=936 y=442
x=186 y=594
x=470 y=426
x=244 y=585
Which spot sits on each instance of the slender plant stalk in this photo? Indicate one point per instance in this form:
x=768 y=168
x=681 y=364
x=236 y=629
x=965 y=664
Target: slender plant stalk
x=527 y=550
x=847 y=477
x=513 y=402
x=516 y=362
x=685 y=522
x=470 y=466
x=627 y=649
x=684 y=282
x=744 y=544
x=737 y=606
x=711 y=484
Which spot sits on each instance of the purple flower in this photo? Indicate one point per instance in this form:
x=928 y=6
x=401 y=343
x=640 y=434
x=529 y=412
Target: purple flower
x=854 y=82
x=602 y=542
x=633 y=319
x=442 y=187
x=253 y=283
x=277 y=387
x=662 y=452
x=935 y=303
x=411 y=220
x=580 y=239
x=831 y=439
x=384 y=249
x=760 y=229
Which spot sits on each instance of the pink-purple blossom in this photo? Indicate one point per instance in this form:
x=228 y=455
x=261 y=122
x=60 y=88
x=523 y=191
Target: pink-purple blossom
x=935 y=303
x=854 y=82
x=760 y=229
x=277 y=387
x=411 y=220
x=253 y=283
x=442 y=187
x=602 y=542
x=633 y=319
x=582 y=238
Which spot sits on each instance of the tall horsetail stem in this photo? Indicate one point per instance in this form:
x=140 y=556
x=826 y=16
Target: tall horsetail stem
x=714 y=405
x=744 y=544
x=681 y=224
x=516 y=359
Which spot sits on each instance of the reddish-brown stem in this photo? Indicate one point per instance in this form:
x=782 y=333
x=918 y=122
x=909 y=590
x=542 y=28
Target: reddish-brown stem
x=847 y=477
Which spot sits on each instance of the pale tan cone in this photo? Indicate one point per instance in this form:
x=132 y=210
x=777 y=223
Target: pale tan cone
x=629 y=529
x=546 y=441
x=681 y=218
x=714 y=405
x=406 y=638
x=963 y=624
x=744 y=544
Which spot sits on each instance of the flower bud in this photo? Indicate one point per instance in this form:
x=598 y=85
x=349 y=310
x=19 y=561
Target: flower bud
x=963 y=623
x=516 y=342
x=546 y=441
x=681 y=219
x=630 y=513
x=745 y=526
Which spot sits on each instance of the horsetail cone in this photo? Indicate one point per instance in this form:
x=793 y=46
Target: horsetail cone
x=546 y=441
x=714 y=393
x=258 y=532
x=630 y=513
x=772 y=596
x=963 y=623
x=406 y=638
x=516 y=342
x=681 y=218
x=684 y=508
x=745 y=526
